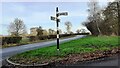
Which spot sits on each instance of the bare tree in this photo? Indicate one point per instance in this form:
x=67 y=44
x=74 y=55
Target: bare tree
x=94 y=16
x=60 y=31
x=78 y=30
x=17 y=27
x=83 y=31
x=118 y=12
x=68 y=26
x=51 y=32
x=103 y=21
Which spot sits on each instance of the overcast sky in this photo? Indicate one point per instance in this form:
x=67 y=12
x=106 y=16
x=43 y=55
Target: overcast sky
x=36 y=14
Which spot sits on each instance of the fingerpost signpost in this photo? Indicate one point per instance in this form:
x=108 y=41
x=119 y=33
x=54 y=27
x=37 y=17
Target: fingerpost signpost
x=57 y=24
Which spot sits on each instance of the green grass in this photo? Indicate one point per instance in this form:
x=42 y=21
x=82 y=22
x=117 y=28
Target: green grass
x=84 y=45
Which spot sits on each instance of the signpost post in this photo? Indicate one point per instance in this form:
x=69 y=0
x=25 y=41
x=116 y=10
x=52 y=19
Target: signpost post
x=57 y=29
x=57 y=24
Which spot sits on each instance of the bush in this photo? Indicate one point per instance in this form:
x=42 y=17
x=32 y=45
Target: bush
x=82 y=34
x=9 y=40
x=42 y=37
x=65 y=35
x=52 y=36
x=34 y=38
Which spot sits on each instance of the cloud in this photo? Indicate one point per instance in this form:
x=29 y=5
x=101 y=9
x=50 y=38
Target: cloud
x=0 y=13
x=44 y=1
x=14 y=8
x=53 y=0
x=78 y=13
x=18 y=8
x=110 y=0
x=38 y=14
x=37 y=17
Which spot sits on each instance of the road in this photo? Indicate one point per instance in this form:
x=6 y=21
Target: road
x=7 y=52
x=107 y=61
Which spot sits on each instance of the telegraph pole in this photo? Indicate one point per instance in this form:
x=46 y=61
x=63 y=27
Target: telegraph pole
x=57 y=24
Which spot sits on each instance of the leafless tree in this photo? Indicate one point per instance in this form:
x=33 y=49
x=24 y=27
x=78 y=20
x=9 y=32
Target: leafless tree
x=68 y=26
x=94 y=17
x=83 y=31
x=103 y=21
x=78 y=30
x=51 y=32
x=17 y=27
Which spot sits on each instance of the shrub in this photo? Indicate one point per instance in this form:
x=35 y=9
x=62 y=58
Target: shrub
x=34 y=38
x=9 y=40
x=65 y=35
x=42 y=37
x=52 y=36
x=82 y=34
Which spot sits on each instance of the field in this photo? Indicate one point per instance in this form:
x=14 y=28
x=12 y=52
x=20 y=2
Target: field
x=85 y=45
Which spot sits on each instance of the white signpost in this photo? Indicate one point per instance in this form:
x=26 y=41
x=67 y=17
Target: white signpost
x=63 y=13
x=54 y=19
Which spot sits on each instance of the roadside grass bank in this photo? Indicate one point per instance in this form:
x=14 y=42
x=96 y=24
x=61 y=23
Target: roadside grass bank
x=26 y=41
x=87 y=48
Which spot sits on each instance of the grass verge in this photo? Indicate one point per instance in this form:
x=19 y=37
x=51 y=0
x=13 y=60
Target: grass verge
x=84 y=45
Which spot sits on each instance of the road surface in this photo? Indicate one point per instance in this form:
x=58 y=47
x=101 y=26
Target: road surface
x=107 y=61
x=7 y=52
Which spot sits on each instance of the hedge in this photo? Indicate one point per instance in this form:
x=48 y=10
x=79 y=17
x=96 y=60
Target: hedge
x=34 y=38
x=82 y=34
x=9 y=40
